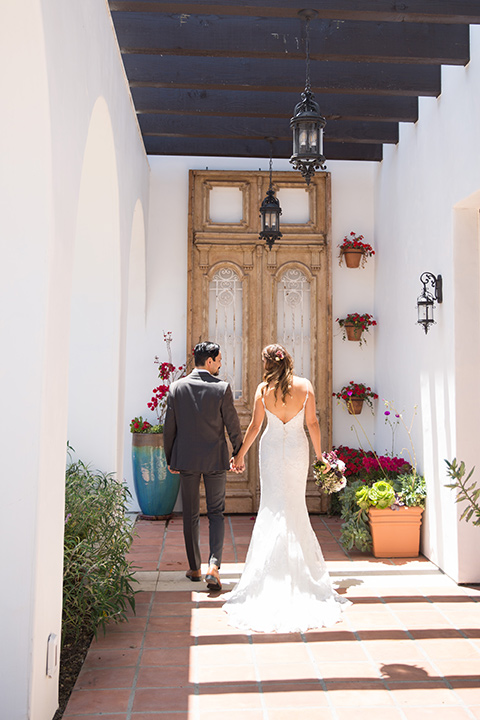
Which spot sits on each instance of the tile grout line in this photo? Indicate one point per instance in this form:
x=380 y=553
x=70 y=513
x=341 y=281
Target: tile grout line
x=336 y=540
x=139 y=660
x=162 y=548
x=373 y=663
x=235 y=555
x=320 y=679
x=442 y=613
x=257 y=676
x=196 y=684
x=441 y=677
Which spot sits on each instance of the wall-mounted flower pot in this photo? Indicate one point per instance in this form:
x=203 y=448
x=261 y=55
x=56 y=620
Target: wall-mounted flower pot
x=352 y=258
x=155 y=486
x=354 y=405
x=354 y=332
x=395 y=533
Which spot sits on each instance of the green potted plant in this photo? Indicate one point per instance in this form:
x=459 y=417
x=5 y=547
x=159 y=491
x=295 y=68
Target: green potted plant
x=395 y=510
x=355 y=251
x=354 y=395
x=385 y=487
x=354 y=324
x=155 y=486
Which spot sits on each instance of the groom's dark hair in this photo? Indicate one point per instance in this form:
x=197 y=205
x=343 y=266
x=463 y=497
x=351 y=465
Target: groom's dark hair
x=205 y=350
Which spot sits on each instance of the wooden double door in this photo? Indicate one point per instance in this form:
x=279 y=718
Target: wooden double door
x=244 y=296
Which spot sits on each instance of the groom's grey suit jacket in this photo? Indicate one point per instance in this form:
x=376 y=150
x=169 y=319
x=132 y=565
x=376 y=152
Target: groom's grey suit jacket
x=199 y=408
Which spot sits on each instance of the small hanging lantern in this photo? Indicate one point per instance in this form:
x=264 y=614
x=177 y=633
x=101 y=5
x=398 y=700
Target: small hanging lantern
x=270 y=212
x=307 y=124
x=425 y=301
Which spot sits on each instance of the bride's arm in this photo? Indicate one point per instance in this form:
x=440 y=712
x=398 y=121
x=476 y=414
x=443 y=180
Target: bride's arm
x=253 y=429
x=312 y=423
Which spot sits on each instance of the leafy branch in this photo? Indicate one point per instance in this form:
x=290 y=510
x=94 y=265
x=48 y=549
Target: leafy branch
x=465 y=493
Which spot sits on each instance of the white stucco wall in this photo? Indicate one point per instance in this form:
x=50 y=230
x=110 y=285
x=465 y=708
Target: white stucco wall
x=426 y=219
x=58 y=61
x=166 y=253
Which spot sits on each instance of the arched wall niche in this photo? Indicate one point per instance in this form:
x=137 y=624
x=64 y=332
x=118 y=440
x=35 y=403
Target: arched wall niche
x=464 y=426
x=95 y=303
x=138 y=368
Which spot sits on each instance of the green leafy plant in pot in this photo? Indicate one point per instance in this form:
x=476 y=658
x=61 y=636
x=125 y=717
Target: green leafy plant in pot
x=395 y=514
x=385 y=490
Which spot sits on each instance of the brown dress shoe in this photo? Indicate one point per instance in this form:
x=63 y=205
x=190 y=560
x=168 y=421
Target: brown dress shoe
x=212 y=578
x=194 y=575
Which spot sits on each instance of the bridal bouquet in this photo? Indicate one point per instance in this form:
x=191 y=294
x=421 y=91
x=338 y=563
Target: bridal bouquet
x=334 y=479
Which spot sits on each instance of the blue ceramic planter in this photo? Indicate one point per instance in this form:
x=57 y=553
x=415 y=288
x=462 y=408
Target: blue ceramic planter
x=155 y=486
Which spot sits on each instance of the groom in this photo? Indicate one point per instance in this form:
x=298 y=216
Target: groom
x=199 y=408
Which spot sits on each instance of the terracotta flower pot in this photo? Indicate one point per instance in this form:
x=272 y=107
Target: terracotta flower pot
x=352 y=258
x=354 y=405
x=395 y=533
x=354 y=332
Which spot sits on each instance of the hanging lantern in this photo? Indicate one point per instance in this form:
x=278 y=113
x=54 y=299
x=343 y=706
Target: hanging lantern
x=270 y=212
x=425 y=301
x=307 y=124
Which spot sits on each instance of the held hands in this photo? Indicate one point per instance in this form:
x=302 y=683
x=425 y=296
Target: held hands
x=237 y=464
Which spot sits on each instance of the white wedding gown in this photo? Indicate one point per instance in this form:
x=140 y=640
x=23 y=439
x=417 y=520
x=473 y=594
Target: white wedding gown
x=285 y=586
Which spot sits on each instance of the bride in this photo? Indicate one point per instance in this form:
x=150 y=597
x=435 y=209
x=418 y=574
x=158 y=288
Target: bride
x=285 y=586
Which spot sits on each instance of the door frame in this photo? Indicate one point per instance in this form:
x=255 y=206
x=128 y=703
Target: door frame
x=305 y=246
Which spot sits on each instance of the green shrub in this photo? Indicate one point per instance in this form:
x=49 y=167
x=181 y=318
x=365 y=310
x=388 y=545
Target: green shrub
x=411 y=489
x=355 y=529
x=97 y=578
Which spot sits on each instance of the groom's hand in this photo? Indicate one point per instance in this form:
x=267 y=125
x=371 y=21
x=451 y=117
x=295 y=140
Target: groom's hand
x=237 y=468
x=175 y=472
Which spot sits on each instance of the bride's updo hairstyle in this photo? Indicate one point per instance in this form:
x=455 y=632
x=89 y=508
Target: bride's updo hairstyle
x=278 y=369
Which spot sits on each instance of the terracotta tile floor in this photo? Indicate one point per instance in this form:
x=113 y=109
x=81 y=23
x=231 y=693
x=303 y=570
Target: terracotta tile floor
x=408 y=647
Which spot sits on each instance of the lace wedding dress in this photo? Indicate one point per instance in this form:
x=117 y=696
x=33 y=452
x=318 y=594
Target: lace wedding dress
x=285 y=586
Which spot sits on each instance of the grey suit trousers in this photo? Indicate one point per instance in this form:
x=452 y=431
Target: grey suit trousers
x=215 y=496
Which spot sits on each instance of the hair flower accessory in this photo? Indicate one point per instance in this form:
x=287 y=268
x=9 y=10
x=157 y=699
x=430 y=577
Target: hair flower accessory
x=279 y=356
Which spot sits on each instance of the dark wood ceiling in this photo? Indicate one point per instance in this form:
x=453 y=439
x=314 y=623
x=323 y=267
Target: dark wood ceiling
x=218 y=78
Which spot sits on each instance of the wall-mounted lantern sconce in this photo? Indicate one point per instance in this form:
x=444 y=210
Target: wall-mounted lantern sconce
x=425 y=301
x=270 y=211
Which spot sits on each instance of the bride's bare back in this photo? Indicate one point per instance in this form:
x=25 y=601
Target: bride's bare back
x=294 y=400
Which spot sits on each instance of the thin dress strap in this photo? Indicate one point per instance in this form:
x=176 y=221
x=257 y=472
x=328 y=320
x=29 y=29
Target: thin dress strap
x=263 y=399
x=306 y=397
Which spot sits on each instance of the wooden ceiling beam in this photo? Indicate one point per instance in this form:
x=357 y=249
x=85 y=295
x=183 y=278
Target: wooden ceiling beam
x=418 y=11
x=191 y=101
x=254 y=149
x=220 y=127
x=214 y=77
x=283 y=75
x=214 y=36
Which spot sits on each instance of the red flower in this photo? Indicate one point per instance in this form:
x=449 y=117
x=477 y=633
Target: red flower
x=168 y=373
x=357 y=390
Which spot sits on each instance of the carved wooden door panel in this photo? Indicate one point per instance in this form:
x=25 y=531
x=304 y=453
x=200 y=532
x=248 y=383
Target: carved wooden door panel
x=244 y=296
